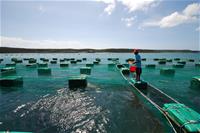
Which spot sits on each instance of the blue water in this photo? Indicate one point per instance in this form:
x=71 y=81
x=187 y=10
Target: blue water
x=45 y=104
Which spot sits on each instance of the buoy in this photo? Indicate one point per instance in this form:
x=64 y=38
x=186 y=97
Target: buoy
x=32 y=60
x=8 y=69
x=78 y=60
x=73 y=62
x=182 y=62
x=64 y=64
x=32 y=65
x=98 y=59
x=62 y=60
x=177 y=59
x=53 y=62
x=18 y=61
x=84 y=59
x=156 y=59
x=95 y=62
x=191 y=60
x=144 y=59
x=130 y=60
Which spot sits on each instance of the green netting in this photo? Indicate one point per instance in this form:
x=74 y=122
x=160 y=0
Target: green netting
x=85 y=70
x=184 y=115
x=42 y=65
x=111 y=65
x=73 y=62
x=195 y=82
x=178 y=65
x=77 y=81
x=167 y=71
x=182 y=62
x=64 y=64
x=8 y=69
x=176 y=59
x=32 y=65
x=13 y=132
x=169 y=60
x=150 y=65
x=31 y=60
x=44 y=70
x=11 y=81
x=162 y=62
x=197 y=64
x=53 y=62
x=89 y=65
x=11 y=65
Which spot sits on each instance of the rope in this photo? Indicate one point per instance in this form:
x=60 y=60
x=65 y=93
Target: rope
x=189 y=122
x=175 y=108
x=153 y=103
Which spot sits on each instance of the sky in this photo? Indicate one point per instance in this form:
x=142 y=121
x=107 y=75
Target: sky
x=142 y=24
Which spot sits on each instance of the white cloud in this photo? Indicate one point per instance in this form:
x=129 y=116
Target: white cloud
x=24 y=43
x=189 y=15
x=192 y=9
x=132 y=5
x=110 y=6
x=128 y=21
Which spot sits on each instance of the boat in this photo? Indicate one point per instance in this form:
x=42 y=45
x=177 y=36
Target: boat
x=181 y=118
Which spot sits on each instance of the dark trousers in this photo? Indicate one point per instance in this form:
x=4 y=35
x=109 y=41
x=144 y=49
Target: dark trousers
x=138 y=73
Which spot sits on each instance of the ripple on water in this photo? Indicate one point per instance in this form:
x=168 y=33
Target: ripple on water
x=69 y=111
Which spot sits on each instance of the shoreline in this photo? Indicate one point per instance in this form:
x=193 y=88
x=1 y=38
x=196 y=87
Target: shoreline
x=87 y=50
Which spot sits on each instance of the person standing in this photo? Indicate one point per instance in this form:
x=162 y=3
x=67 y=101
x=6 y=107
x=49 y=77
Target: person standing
x=137 y=63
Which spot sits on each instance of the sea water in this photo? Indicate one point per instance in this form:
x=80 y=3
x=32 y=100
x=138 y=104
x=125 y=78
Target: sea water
x=45 y=104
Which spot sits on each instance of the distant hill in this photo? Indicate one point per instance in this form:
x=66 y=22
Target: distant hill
x=114 y=50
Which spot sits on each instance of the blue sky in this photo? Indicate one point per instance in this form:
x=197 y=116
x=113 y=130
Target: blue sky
x=145 y=24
